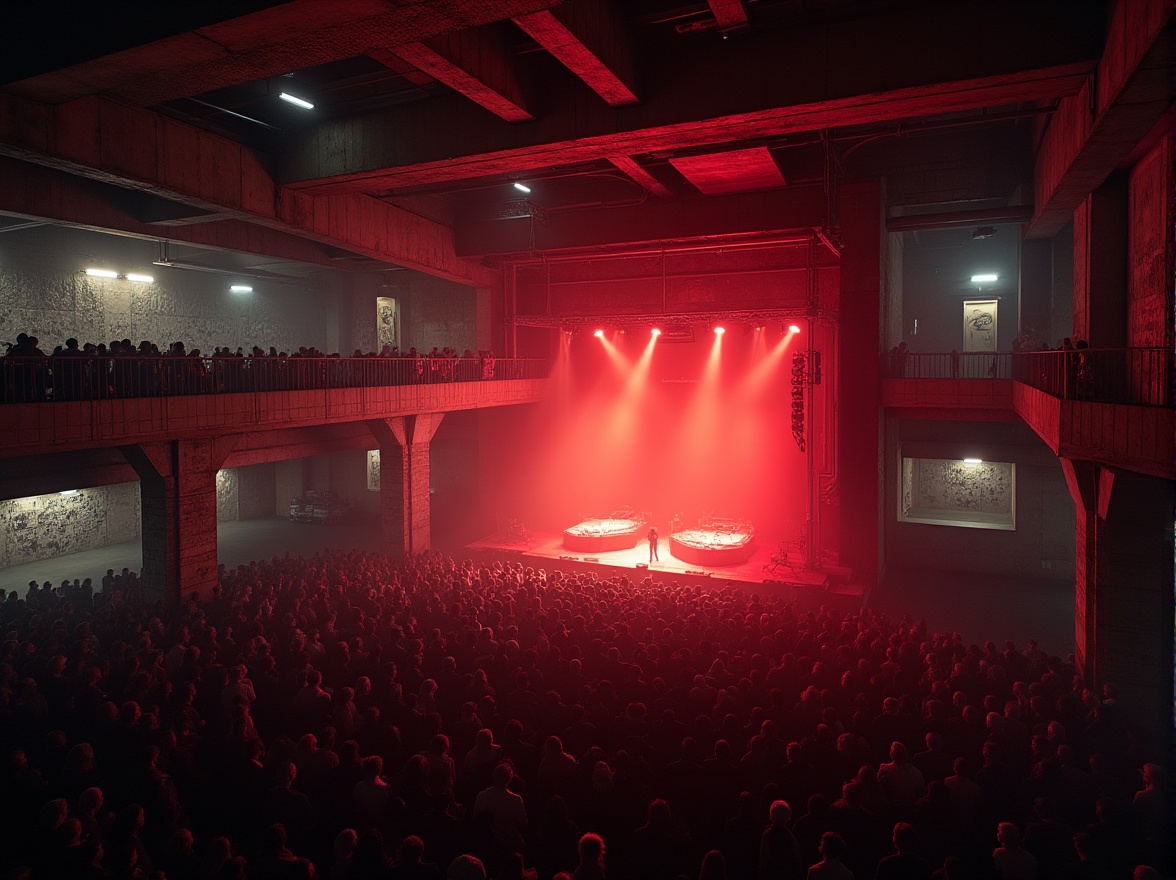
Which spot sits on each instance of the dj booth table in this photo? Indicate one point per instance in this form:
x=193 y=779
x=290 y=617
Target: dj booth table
x=714 y=542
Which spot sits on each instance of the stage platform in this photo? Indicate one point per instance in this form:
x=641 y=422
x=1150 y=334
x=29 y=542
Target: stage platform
x=546 y=550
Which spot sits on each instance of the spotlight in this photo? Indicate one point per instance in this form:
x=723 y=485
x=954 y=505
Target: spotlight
x=522 y=187
x=655 y=332
x=142 y=279
x=101 y=273
x=984 y=279
x=599 y=334
x=719 y=331
x=759 y=329
x=296 y=101
x=792 y=328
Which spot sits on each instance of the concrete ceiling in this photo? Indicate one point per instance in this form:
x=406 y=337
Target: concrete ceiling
x=426 y=112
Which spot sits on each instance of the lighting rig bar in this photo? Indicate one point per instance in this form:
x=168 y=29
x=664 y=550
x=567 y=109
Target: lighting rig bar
x=757 y=317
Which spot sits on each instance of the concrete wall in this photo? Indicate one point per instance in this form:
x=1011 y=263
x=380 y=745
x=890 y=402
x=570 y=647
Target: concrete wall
x=45 y=292
x=1042 y=544
x=937 y=266
x=1149 y=287
x=255 y=492
x=47 y=526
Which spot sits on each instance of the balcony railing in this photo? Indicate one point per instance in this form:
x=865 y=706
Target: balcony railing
x=1133 y=376
x=27 y=380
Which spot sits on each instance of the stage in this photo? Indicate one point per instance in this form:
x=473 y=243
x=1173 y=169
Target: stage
x=546 y=550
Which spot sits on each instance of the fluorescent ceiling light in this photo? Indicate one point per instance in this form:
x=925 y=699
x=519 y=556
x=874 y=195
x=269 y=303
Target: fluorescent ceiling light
x=240 y=288
x=296 y=101
x=142 y=279
x=981 y=279
x=101 y=273
x=973 y=461
x=522 y=187
x=68 y=492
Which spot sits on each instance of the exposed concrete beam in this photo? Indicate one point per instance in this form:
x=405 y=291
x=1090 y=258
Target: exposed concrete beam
x=592 y=41
x=44 y=194
x=639 y=175
x=297 y=34
x=729 y=14
x=798 y=209
x=140 y=150
x=777 y=83
x=1093 y=132
x=259 y=447
x=475 y=63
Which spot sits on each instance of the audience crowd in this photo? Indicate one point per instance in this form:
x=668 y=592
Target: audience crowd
x=97 y=371
x=352 y=716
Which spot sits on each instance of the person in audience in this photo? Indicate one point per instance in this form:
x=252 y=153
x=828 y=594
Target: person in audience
x=830 y=867
x=204 y=739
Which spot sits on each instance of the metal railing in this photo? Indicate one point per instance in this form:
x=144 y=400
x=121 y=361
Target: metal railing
x=27 y=380
x=1133 y=376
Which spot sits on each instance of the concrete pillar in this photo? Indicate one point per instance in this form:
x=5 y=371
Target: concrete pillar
x=404 y=480
x=859 y=428
x=1123 y=585
x=1100 y=266
x=178 y=489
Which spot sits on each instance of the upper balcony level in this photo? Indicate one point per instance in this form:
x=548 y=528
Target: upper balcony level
x=1113 y=406
x=65 y=403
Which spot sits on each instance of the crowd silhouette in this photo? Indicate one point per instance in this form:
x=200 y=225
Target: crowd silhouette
x=97 y=371
x=354 y=716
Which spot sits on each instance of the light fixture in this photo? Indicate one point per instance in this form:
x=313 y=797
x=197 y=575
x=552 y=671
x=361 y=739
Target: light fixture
x=792 y=328
x=982 y=232
x=599 y=334
x=522 y=187
x=984 y=279
x=101 y=273
x=655 y=332
x=973 y=461
x=719 y=331
x=296 y=101
x=68 y=492
x=240 y=288
x=142 y=279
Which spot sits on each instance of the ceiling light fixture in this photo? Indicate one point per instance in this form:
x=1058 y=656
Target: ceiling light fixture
x=719 y=331
x=984 y=279
x=655 y=332
x=142 y=279
x=599 y=334
x=101 y=273
x=522 y=187
x=68 y=492
x=973 y=461
x=296 y=101
x=240 y=288
x=793 y=328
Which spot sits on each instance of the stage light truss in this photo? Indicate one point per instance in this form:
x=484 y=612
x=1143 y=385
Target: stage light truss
x=666 y=320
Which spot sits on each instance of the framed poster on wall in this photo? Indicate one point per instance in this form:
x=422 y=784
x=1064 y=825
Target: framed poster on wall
x=980 y=324
x=387 y=323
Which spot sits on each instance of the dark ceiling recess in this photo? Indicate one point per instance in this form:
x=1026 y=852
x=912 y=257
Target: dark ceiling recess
x=76 y=32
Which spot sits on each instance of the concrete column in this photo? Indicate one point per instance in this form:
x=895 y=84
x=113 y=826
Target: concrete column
x=178 y=489
x=1100 y=266
x=1123 y=585
x=404 y=480
x=859 y=428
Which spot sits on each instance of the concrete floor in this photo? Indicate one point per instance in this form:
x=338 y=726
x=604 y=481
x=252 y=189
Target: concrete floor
x=979 y=607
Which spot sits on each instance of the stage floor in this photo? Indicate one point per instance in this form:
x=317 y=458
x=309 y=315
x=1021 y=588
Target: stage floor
x=547 y=547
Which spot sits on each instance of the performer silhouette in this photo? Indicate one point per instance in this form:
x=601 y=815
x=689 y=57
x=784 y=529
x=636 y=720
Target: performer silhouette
x=652 y=536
